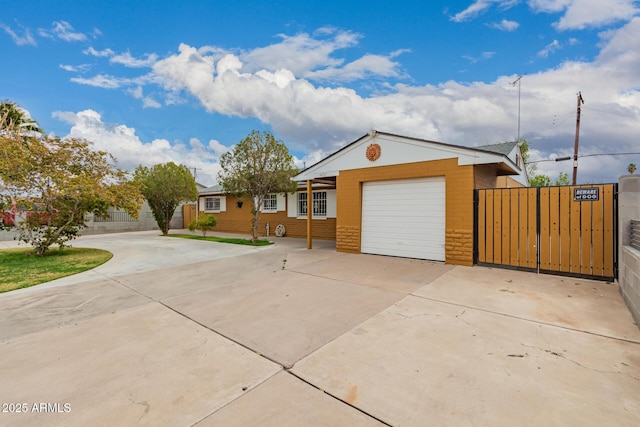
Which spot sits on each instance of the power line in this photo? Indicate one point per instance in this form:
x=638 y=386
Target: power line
x=558 y=120
x=560 y=159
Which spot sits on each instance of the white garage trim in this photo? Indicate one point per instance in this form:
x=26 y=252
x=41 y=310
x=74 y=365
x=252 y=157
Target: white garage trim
x=404 y=218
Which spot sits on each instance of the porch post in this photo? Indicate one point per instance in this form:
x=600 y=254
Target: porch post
x=309 y=213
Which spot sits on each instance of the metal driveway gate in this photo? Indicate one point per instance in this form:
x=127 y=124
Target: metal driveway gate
x=569 y=230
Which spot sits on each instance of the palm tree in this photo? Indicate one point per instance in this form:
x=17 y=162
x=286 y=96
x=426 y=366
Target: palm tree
x=15 y=118
x=631 y=168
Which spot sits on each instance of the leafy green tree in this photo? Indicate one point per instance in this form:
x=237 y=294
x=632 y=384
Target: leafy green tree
x=536 y=179
x=524 y=150
x=631 y=168
x=563 y=179
x=14 y=118
x=56 y=182
x=203 y=223
x=259 y=165
x=539 y=180
x=165 y=186
x=542 y=180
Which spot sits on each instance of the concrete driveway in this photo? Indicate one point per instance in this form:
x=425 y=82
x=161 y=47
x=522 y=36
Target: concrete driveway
x=181 y=332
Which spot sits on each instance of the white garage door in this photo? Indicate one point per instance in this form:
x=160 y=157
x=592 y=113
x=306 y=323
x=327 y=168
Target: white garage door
x=404 y=218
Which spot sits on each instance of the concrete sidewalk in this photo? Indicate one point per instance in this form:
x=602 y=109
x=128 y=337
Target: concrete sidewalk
x=285 y=336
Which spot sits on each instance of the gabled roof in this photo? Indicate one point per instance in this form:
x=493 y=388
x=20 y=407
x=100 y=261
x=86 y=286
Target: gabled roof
x=397 y=149
x=501 y=148
x=214 y=189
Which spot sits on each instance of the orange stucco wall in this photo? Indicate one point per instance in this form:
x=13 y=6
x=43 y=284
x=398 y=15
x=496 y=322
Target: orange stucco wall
x=507 y=182
x=238 y=220
x=486 y=176
x=459 y=184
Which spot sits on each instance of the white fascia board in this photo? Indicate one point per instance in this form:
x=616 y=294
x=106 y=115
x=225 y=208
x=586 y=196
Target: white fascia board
x=396 y=150
x=312 y=174
x=481 y=158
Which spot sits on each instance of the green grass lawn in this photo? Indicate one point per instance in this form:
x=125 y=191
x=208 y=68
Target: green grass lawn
x=20 y=269
x=223 y=239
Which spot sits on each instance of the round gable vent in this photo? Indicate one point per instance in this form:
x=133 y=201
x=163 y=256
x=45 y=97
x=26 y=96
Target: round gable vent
x=373 y=152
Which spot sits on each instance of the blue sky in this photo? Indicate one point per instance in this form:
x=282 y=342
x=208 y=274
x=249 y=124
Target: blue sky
x=153 y=81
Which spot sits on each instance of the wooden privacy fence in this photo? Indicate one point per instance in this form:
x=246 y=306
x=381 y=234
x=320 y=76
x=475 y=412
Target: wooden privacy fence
x=568 y=230
x=188 y=214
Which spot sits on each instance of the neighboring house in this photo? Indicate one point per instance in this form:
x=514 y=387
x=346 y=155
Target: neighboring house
x=117 y=221
x=512 y=151
x=384 y=194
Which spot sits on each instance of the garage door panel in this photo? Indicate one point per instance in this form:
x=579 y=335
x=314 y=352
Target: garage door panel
x=420 y=220
x=400 y=230
x=404 y=218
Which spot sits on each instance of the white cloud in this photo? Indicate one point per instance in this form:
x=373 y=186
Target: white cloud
x=149 y=102
x=579 y=14
x=64 y=31
x=25 y=40
x=576 y=14
x=480 y=6
x=122 y=142
x=550 y=48
x=129 y=61
x=99 y=53
x=277 y=63
x=301 y=53
x=218 y=148
x=549 y=6
x=505 y=25
x=483 y=57
x=82 y=68
x=135 y=92
x=101 y=80
x=361 y=68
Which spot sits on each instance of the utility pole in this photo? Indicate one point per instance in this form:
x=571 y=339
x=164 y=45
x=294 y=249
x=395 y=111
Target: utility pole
x=575 y=148
x=518 y=82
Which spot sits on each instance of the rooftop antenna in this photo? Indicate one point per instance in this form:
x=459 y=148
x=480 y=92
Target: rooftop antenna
x=195 y=173
x=518 y=82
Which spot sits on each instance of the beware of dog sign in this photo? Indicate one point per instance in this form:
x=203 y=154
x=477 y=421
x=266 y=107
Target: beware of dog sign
x=586 y=194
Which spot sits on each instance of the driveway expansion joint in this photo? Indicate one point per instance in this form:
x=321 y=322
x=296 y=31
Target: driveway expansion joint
x=628 y=340
x=348 y=282
x=339 y=399
x=285 y=368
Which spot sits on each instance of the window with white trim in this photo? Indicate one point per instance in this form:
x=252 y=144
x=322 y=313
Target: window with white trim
x=302 y=204
x=319 y=204
x=212 y=204
x=270 y=203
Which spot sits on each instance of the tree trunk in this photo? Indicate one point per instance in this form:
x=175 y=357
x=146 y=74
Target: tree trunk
x=256 y=217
